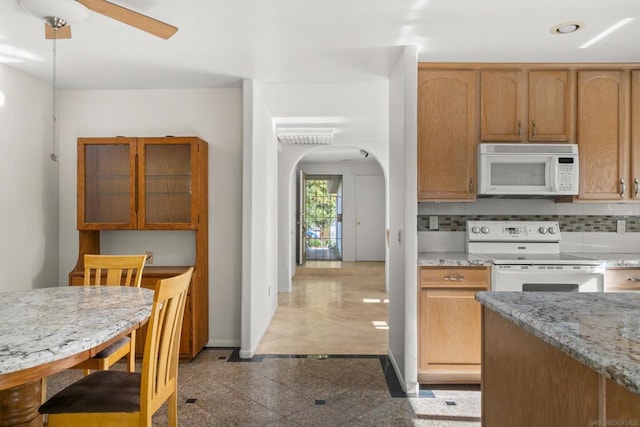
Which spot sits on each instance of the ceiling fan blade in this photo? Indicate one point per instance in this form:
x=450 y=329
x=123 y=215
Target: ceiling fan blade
x=60 y=33
x=129 y=17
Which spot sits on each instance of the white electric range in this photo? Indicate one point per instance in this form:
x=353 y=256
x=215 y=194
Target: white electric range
x=526 y=257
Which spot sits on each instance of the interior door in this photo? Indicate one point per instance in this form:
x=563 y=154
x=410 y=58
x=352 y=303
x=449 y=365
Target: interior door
x=370 y=229
x=301 y=229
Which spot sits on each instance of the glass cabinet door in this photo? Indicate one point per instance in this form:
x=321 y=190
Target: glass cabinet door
x=106 y=178
x=167 y=170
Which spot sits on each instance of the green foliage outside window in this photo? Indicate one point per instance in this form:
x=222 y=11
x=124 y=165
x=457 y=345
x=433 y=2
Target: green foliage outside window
x=320 y=208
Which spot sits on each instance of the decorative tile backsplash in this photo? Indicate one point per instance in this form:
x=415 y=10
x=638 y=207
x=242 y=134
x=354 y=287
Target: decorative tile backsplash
x=568 y=223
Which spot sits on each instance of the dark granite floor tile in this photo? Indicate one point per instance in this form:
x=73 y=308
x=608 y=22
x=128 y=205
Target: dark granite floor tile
x=300 y=391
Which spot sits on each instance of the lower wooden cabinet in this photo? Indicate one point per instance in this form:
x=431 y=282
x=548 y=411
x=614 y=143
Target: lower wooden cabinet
x=195 y=333
x=622 y=279
x=449 y=326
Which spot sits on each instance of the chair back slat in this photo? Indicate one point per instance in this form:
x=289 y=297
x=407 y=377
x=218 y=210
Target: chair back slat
x=160 y=360
x=113 y=270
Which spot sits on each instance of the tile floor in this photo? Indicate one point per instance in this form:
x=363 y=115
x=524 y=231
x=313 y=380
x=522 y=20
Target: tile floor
x=298 y=391
x=334 y=308
x=331 y=313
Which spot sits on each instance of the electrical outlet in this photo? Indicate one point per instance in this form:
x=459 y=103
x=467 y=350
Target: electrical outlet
x=433 y=222
x=621 y=226
x=149 y=255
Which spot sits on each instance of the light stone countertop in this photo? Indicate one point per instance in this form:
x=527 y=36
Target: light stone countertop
x=50 y=324
x=612 y=259
x=450 y=259
x=601 y=330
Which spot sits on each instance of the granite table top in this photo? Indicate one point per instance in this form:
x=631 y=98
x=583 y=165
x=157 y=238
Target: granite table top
x=601 y=330
x=50 y=324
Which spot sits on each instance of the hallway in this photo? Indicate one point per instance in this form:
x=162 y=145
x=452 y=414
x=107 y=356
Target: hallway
x=335 y=307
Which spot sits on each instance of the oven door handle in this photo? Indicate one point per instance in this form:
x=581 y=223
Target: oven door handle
x=550 y=287
x=595 y=271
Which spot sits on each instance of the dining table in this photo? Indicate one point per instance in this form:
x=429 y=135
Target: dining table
x=47 y=330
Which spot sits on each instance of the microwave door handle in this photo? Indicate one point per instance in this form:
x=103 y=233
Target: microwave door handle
x=554 y=174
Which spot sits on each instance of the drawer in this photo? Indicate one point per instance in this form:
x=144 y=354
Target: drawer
x=454 y=277
x=622 y=280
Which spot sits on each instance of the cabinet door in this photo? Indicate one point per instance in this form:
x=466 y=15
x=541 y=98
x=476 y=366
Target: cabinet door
x=449 y=327
x=446 y=143
x=603 y=143
x=168 y=188
x=106 y=183
x=501 y=98
x=622 y=279
x=549 y=105
x=635 y=135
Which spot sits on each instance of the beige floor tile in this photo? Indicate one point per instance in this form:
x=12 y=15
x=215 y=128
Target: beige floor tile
x=335 y=307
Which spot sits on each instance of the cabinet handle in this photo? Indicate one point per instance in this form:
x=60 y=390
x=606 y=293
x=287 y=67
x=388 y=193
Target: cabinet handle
x=471 y=185
x=533 y=129
x=637 y=187
x=519 y=128
x=633 y=279
x=454 y=278
x=623 y=187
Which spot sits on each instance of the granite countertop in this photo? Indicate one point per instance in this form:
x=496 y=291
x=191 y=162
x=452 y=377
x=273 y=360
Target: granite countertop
x=50 y=324
x=601 y=330
x=450 y=259
x=612 y=259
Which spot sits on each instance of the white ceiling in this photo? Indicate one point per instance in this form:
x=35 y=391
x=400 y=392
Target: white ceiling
x=221 y=42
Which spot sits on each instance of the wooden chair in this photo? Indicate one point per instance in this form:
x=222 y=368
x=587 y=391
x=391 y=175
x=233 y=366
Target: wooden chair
x=119 y=398
x=113 y=270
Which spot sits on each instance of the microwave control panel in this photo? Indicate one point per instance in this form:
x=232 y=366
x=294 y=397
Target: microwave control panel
x=567 y=174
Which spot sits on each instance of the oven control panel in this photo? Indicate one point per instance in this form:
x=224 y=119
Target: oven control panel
x=509 y=231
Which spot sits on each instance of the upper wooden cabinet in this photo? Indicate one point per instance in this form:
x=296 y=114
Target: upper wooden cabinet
x=602 y=135
x=140 y=183
x=501 y=105
x=505 y=115
x=634 y=153
x=550 y=112
x=446 y=135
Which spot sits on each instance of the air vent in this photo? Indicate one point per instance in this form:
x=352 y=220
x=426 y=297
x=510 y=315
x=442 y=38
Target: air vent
x=305 y=136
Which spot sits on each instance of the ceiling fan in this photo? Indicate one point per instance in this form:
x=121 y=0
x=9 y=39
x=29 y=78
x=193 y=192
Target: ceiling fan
x=59 y=15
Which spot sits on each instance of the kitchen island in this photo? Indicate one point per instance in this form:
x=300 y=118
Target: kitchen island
x=560 y=359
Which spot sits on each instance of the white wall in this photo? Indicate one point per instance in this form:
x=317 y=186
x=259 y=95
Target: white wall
x=260 y=219
x=214 y=115
x=402 y=259
x=29 y=191
x=349 y=171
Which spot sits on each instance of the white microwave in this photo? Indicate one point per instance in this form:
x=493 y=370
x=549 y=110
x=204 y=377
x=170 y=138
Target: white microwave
x=528 y=169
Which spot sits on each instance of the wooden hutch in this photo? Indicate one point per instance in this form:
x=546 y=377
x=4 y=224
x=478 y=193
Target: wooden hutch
x=148 y=184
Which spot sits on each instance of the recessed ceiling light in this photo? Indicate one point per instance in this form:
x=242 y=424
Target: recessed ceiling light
x=567 y=27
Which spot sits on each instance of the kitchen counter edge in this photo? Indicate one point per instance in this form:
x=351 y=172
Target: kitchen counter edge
x=586 y=326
